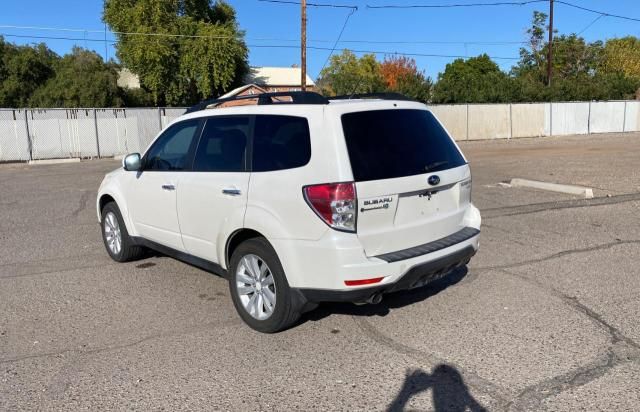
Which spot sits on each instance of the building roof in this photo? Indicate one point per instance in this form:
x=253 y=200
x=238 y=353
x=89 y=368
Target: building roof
x=238 y=90
x=277 y=76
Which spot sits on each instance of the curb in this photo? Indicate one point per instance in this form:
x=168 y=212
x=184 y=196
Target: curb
x=54 y=161
x=586 y=192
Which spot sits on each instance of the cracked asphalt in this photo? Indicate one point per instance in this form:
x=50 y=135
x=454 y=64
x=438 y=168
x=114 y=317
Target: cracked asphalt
x=545 y=318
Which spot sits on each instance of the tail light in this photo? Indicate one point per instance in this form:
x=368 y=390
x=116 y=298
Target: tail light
x=361 y=282
x=334 y=203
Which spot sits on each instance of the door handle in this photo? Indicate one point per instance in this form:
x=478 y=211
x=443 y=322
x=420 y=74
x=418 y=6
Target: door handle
x=168 y=187
x=231 y=192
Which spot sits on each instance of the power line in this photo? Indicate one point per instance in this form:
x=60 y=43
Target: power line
x=56 y=38
x=344 y=26
x=602 y=13
x=297 y=3
x=7 y=26
x=194 y=36
x=276 y=46
x=361 y=41
x=455 y=5
x=487 y=43
x=496 y=4
x=410 y=54
x=591 y=24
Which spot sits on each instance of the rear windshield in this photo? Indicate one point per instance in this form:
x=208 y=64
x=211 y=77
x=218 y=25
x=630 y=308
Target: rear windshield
x=385 y=144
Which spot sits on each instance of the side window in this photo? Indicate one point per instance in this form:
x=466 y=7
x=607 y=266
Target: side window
x=223 y=145
x=280 y=142
x=171 y=150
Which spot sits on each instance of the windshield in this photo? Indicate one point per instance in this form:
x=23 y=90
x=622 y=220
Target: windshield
x=385 y=144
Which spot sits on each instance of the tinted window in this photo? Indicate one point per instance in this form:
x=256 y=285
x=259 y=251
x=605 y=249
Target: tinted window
x=223 y=145
x=280 y=142
x=171 y=150
x=385 y=144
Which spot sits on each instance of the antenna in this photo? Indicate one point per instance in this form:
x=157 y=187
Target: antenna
x=355 y=88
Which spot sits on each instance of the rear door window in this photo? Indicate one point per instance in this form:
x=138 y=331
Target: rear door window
x=223 y=145
x=386 y=144
x=280 y=142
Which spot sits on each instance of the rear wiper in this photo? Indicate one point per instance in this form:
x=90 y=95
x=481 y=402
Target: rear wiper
x=435 y=165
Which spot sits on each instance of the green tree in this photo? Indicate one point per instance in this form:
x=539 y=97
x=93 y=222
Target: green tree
x=533 y=59
x=475 y=80
x=418 y=87
x=581 y=70
x=23 y=69
x=572 y=55
x=179 y=70
x=347 y=74
x=81 y=79
x=136 y=97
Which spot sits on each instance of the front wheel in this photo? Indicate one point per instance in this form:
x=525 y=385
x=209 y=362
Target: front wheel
x=116 y=239
x=259 y=288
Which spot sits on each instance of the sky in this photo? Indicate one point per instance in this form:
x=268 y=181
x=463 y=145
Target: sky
x=449 y=31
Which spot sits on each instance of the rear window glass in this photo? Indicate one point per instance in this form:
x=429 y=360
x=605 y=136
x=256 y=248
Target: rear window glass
x=385 y=144
x=280 y=142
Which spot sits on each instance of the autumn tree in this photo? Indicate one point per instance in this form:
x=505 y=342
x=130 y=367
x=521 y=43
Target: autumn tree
x=582 y=70
x=401 y=74
x=622 y=56
x=394 y=67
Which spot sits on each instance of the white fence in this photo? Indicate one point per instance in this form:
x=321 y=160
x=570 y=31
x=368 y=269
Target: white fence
x=27 y=134
x=32 y=134
x=504 y=121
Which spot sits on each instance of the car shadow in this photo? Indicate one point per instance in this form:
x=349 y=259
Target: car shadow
x=449 y=391
x=390 y=301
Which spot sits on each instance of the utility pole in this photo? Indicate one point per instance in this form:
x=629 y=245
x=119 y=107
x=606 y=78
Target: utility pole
x=550 y=57
x=303 y=46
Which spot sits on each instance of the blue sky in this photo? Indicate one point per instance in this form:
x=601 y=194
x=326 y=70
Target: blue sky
x=279 y=24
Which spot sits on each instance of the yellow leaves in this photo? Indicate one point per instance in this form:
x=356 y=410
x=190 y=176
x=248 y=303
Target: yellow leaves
x=623 y=55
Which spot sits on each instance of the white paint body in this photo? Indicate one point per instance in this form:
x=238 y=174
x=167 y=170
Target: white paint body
x=197 y=218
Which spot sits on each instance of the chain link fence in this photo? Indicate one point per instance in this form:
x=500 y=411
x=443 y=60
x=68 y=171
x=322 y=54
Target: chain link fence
x=34 y=134
x=14 y=144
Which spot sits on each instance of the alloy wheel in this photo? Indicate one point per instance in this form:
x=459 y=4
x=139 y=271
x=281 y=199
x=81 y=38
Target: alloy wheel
x=256 y=287
x=112 y=233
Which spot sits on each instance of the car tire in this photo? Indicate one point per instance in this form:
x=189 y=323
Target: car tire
x=116 y=239
x=259 y=288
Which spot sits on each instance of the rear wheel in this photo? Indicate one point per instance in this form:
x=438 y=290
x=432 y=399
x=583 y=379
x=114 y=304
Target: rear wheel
x=116 y=239
x=259 y=288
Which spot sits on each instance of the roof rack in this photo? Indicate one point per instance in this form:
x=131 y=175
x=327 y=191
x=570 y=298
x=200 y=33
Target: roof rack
x=382 y=96
x=265 y=99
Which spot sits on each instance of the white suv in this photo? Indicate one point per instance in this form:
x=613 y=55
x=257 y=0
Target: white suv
x=298 y=200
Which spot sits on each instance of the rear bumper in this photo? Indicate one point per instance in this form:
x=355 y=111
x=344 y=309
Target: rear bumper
x=327 y=264
x=418 y=275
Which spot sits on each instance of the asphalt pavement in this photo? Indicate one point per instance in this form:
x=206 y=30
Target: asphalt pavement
x=544 y=318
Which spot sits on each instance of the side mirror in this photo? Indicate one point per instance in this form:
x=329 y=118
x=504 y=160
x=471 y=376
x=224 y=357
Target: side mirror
x=132 y=162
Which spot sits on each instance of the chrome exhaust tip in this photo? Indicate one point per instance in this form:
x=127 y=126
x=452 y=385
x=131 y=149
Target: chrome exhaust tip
x=375 y=299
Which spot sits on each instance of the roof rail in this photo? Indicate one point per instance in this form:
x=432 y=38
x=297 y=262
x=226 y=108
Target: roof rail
x=265 y=99
x=382 y=96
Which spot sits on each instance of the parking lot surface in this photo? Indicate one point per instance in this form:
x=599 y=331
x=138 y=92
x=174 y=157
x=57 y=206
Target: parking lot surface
x=544 y=318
